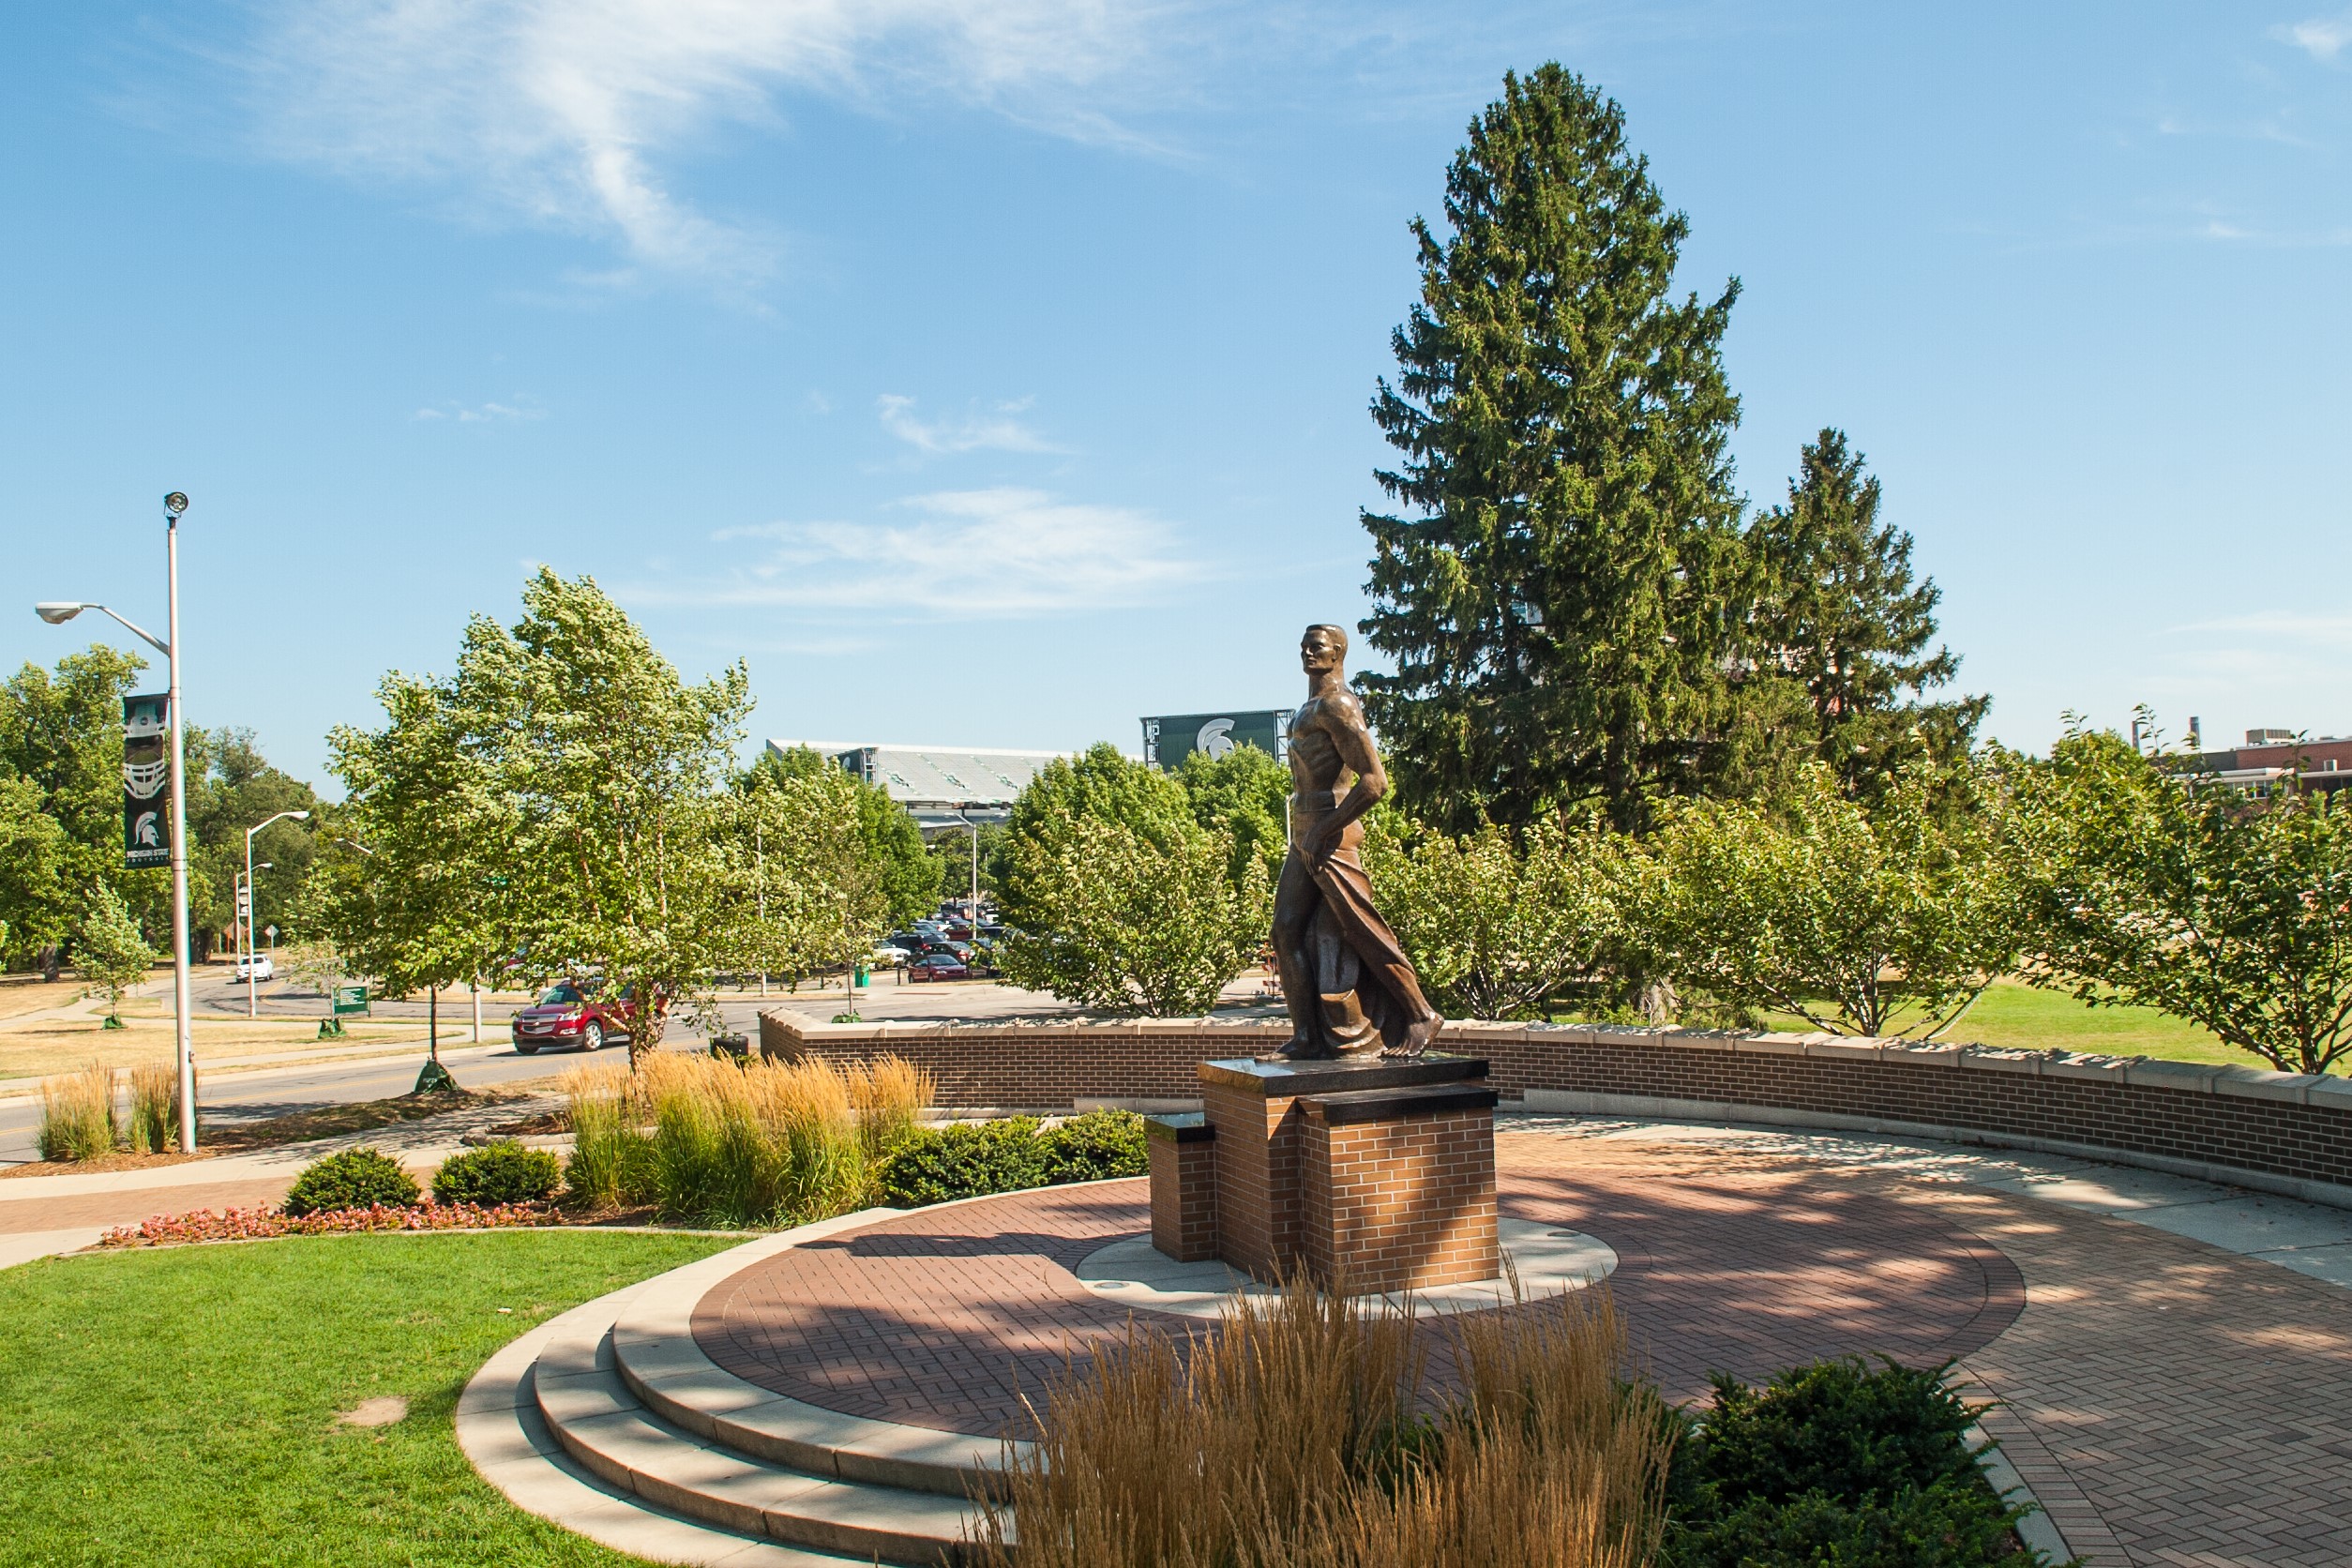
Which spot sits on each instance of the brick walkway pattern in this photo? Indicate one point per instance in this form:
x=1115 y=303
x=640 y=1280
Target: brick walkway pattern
x=949 y=1320
x=2170 y=1403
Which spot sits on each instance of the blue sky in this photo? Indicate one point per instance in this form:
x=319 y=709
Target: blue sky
x=997 y=374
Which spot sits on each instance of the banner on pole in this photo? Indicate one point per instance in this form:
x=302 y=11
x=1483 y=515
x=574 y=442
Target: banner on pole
x=146 y=782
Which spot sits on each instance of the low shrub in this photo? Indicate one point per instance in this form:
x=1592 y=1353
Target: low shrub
x=1095 y=1147
x=250 y=1225
x=1837 y=1463
x=939 y=1164
x=498 y=1173
x=78 y=1114
x=354 y=1178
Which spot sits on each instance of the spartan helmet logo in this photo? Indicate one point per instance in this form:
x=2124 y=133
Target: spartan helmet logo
x=143 y=833
x=1215 y=737
x=143 y=779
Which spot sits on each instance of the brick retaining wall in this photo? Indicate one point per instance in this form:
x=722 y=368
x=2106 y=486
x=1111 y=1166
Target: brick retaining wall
x=2276 y=1131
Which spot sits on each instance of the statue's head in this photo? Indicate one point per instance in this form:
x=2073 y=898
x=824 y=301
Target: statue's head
x=1323 y=647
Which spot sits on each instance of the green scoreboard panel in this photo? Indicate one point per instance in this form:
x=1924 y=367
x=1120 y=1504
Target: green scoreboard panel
x=1169 y=740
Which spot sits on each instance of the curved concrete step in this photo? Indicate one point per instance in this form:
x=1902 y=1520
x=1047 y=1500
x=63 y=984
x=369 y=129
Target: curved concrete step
x=597 y=1418
x=500 y=1428
x=655 y=1351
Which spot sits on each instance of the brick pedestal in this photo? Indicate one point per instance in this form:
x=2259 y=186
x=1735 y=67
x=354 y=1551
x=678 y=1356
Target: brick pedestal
x=1379 y=1171
x=1398 y=1187
x=1183 y=1156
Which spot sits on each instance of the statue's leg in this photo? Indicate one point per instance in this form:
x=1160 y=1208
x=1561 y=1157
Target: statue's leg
x=1338 y=974
x=1295 y=902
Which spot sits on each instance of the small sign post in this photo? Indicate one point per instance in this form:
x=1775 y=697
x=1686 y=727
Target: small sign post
x=349 y=999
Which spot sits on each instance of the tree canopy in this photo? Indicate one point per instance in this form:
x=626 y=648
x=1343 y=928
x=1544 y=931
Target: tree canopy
x=1557 y=598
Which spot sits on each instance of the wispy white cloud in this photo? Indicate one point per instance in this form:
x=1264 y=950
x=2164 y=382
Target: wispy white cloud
x=997 y=430
x=568 y=111
x=482 y=413
x=2321 y=37
x=960 y=555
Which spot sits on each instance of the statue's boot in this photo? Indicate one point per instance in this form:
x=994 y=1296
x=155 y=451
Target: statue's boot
x=1352 y=1033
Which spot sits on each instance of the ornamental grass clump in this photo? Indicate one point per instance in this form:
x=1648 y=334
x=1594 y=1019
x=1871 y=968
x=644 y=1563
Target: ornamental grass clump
x=78 y=1114
x=155 y=1107
x=1304 y=1432
x=763 y=1142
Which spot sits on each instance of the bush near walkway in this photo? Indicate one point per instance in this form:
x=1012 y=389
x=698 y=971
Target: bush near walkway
x=353 y=1179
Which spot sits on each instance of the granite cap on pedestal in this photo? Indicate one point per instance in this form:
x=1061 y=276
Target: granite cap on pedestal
x=1273 y=1077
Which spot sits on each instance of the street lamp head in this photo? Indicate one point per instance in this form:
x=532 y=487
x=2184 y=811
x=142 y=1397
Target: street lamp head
x=175 y=502
x=299 y=816
x=266 y=865
x=58 y=614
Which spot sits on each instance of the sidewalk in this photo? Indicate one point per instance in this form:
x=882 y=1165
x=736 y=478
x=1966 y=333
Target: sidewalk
x=44 y=1214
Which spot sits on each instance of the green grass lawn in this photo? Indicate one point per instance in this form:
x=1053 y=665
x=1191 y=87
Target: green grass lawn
x=2009 y=1014
x=2013 y=1013
x=178 y=1406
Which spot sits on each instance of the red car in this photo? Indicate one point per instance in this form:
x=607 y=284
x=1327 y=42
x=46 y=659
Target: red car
x=937 y=966
x=572 y=1014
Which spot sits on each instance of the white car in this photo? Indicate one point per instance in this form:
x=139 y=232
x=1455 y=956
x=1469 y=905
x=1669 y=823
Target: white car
x=255 y=965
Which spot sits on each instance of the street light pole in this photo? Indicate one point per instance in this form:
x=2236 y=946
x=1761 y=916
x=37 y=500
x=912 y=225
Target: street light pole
x=250 y=980
x=57 y=615
x=183 y=995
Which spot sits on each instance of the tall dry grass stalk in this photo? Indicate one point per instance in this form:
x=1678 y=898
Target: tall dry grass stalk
x=1303 y=1435
x=155 y=1107
x=78 y=1114
x=764 y=1142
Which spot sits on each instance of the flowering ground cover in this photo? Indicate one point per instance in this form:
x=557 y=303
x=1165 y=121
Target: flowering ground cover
x=180 y=1404
x=259 y=1224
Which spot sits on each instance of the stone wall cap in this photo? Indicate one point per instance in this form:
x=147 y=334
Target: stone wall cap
x=2004 y=1059
x=1179 y=1126
x=1937 y=1053
x=1769 y=1045
x=1271 y=1077
x=1851 y=1046
x=1350 y=1107
x=2087 y=1064
x=2195 y=1078
x=2330 y=1092
x=2256 y=1083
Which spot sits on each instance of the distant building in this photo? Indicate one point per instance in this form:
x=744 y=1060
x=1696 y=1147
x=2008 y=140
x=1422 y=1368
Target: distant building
x=941 y=786
x=2272 y=757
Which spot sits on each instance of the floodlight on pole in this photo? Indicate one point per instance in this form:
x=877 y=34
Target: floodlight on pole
x=57 y=612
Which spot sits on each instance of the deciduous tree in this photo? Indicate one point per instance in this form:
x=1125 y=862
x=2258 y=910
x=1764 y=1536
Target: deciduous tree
x=1499 y=925
x=109 y=954
x=1882 y=921
x=2148 y=889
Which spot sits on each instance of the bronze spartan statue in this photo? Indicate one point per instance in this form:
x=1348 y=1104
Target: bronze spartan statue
x=1349 y=987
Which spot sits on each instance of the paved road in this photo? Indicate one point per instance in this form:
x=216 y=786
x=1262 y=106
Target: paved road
x=262 y=1091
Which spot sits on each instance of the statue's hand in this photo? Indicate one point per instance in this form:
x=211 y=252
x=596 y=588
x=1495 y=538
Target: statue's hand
x=1324 y=841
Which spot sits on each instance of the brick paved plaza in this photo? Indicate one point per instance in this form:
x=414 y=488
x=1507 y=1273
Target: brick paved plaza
x=2169 y=1402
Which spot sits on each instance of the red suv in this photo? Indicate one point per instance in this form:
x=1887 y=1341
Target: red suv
x=573 y=1014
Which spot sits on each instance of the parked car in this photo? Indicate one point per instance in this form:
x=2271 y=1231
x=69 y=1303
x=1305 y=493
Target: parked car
x=909 y=943
x=573 y=1014
x=939 y=966
x=887 y=955
x=255 y=965
x=960 y=951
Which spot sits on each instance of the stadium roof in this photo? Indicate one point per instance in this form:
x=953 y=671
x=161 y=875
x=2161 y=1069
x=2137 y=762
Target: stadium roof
x=939 y=784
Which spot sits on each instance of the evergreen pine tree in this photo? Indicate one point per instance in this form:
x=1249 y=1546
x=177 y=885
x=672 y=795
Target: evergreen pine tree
x=1841 y=615
x=1558 y=609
